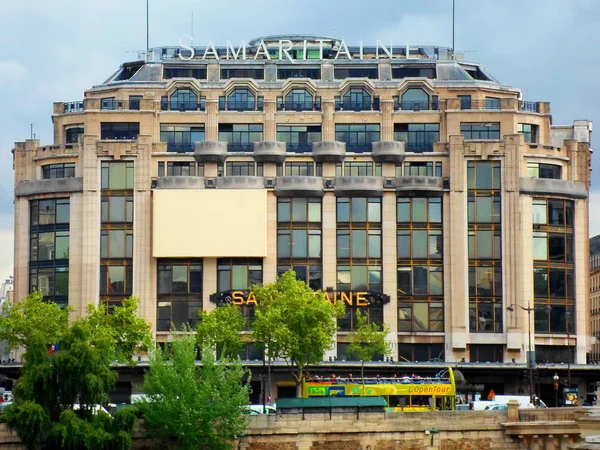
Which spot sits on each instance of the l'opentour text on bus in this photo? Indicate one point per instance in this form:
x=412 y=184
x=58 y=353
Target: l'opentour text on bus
x=402 y=393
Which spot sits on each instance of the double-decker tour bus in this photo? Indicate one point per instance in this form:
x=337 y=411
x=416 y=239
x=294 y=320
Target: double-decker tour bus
x=402 y=393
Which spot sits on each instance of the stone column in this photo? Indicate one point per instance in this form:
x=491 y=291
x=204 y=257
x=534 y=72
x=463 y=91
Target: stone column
x=212 y=127
x=270 y=131
x=329 y=250
x=328 y=130
x=387 y=123
x=388 y=241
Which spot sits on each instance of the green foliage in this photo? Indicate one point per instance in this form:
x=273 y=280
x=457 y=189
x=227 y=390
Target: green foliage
x=294 y=322
x=368 y=340
x=30 y=317
x=50 y=384
x=219 y=330
x=129 y=332
x=200 y=407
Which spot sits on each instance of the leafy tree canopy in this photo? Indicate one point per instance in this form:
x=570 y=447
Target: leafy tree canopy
x=32 y=319
x=129 y=332
x=294 y=322
x=201 y=407
x=368 y=340
x=219 y=330
x=51 y=383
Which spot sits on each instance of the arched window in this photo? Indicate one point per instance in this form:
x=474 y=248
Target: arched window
x=299 y=100
x=415 y=100
x=241 y=100
x=183 y=100
x=357 y=99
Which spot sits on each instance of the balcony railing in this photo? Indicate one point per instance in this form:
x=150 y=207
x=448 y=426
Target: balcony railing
x=358 y=106
x=480 y=104
x=119 y=105
x=418 y=106
x=529 y=106
x=240 y=146
x=359 y=148
x=299 y=106
x=250 y=105
x=180 y=147
x=165 y=105
x=71 y=107
x=419 y=147
x=303 y=147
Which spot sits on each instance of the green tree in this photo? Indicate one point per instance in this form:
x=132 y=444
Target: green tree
x=367 y=341
x=199 y=407
x=129 y=332
x=78 y=372
x=219 y=330
x=295 y=323
x=32 y=316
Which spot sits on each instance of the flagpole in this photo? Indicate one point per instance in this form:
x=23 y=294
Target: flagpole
x=147 y=28
x=453 y=23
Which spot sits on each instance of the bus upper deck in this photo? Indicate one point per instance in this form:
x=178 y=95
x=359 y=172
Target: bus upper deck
x=402 y=393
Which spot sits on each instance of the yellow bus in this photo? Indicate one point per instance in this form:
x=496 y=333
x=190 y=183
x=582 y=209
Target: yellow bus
x=404 y=393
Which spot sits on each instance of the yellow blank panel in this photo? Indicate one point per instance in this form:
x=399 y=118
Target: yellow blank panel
x=209 y=223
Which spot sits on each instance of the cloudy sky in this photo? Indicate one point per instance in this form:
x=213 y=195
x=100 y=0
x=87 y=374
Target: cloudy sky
x=54 y=50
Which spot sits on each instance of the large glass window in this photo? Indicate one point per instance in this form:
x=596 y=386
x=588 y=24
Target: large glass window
x=420 y=352
x=284 y=73
x=240 y=137
x=185 y=100
x=356 y=99
x=480 y=131
x=299 y=100
x=341 y=73
x=359 y=253
x=419 y=137
x=358 y=169
x=419 y=169
x=181 y=138
x=117 y=209
x=240 y=169
x=49 y=248
x=306 y=169
x=553 y=265
x=179 y=294
x=415 y=100
x=540 y=170
x=117 y=175
x=420 y=272
x=358 y=138
x=64 y=170
x=299 y=138
x=529 y=131
x=72 y=134
x=241 y=100
x=239 y=274
x=485 y=247
x=299 y=240
x=198 y=72
x=119 y=130
x=256 y=73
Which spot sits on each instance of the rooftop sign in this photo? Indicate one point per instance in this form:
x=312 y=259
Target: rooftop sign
x=294 y=49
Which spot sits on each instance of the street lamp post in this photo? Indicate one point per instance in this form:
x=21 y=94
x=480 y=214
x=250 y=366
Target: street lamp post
x=555 y=378
x=530 y=354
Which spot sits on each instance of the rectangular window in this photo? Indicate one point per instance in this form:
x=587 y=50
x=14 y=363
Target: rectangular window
x=358 y=138
x=179 y=294
x=306 y=169
x=420 y=169
x=299 y=138
x=72 y=135
x=197 y=72
x=492 y=103
x=240 y=169
x=465 y=101
x=421 y=316
x=310 y=272
x=116 y=279
x=419 y=209
x=540 y=170
x=341 y=73
x=362 y=169
x=480 y=131
x=239 y=275
x=117 y=175
x=134 y=102
x=64 y=170
x=419 y=137
x=181 y=138
x=492 y=353
x=420 y=352
x=119 y=130
x=284 y=72
x=399 y=72
x=117 y=209
x=116 y=244
x=529 y=131
x=240 y=137
x=256 y=73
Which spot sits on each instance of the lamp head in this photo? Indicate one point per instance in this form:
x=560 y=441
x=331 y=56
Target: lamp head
x=548 y=308
x=555 y=378
x=510 y=308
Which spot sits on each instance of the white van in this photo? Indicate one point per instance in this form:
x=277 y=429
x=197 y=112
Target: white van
x=524 y=401
x=480 y=405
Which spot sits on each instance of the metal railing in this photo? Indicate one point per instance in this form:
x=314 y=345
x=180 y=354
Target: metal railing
x=299 y=147
x=182 y=106
x=359 y=148
x=117 y=105
x=71 y=107
x=419 y=147
x=417 y=106
x=180 y=147
x=358 y=106
x=529 y=106
x=251 y=105
x=299 y=106
x=240 y=146
x=492 y=105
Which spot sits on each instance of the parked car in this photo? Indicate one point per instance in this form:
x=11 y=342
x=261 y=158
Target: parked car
x=496 y=408
x=258 y=409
